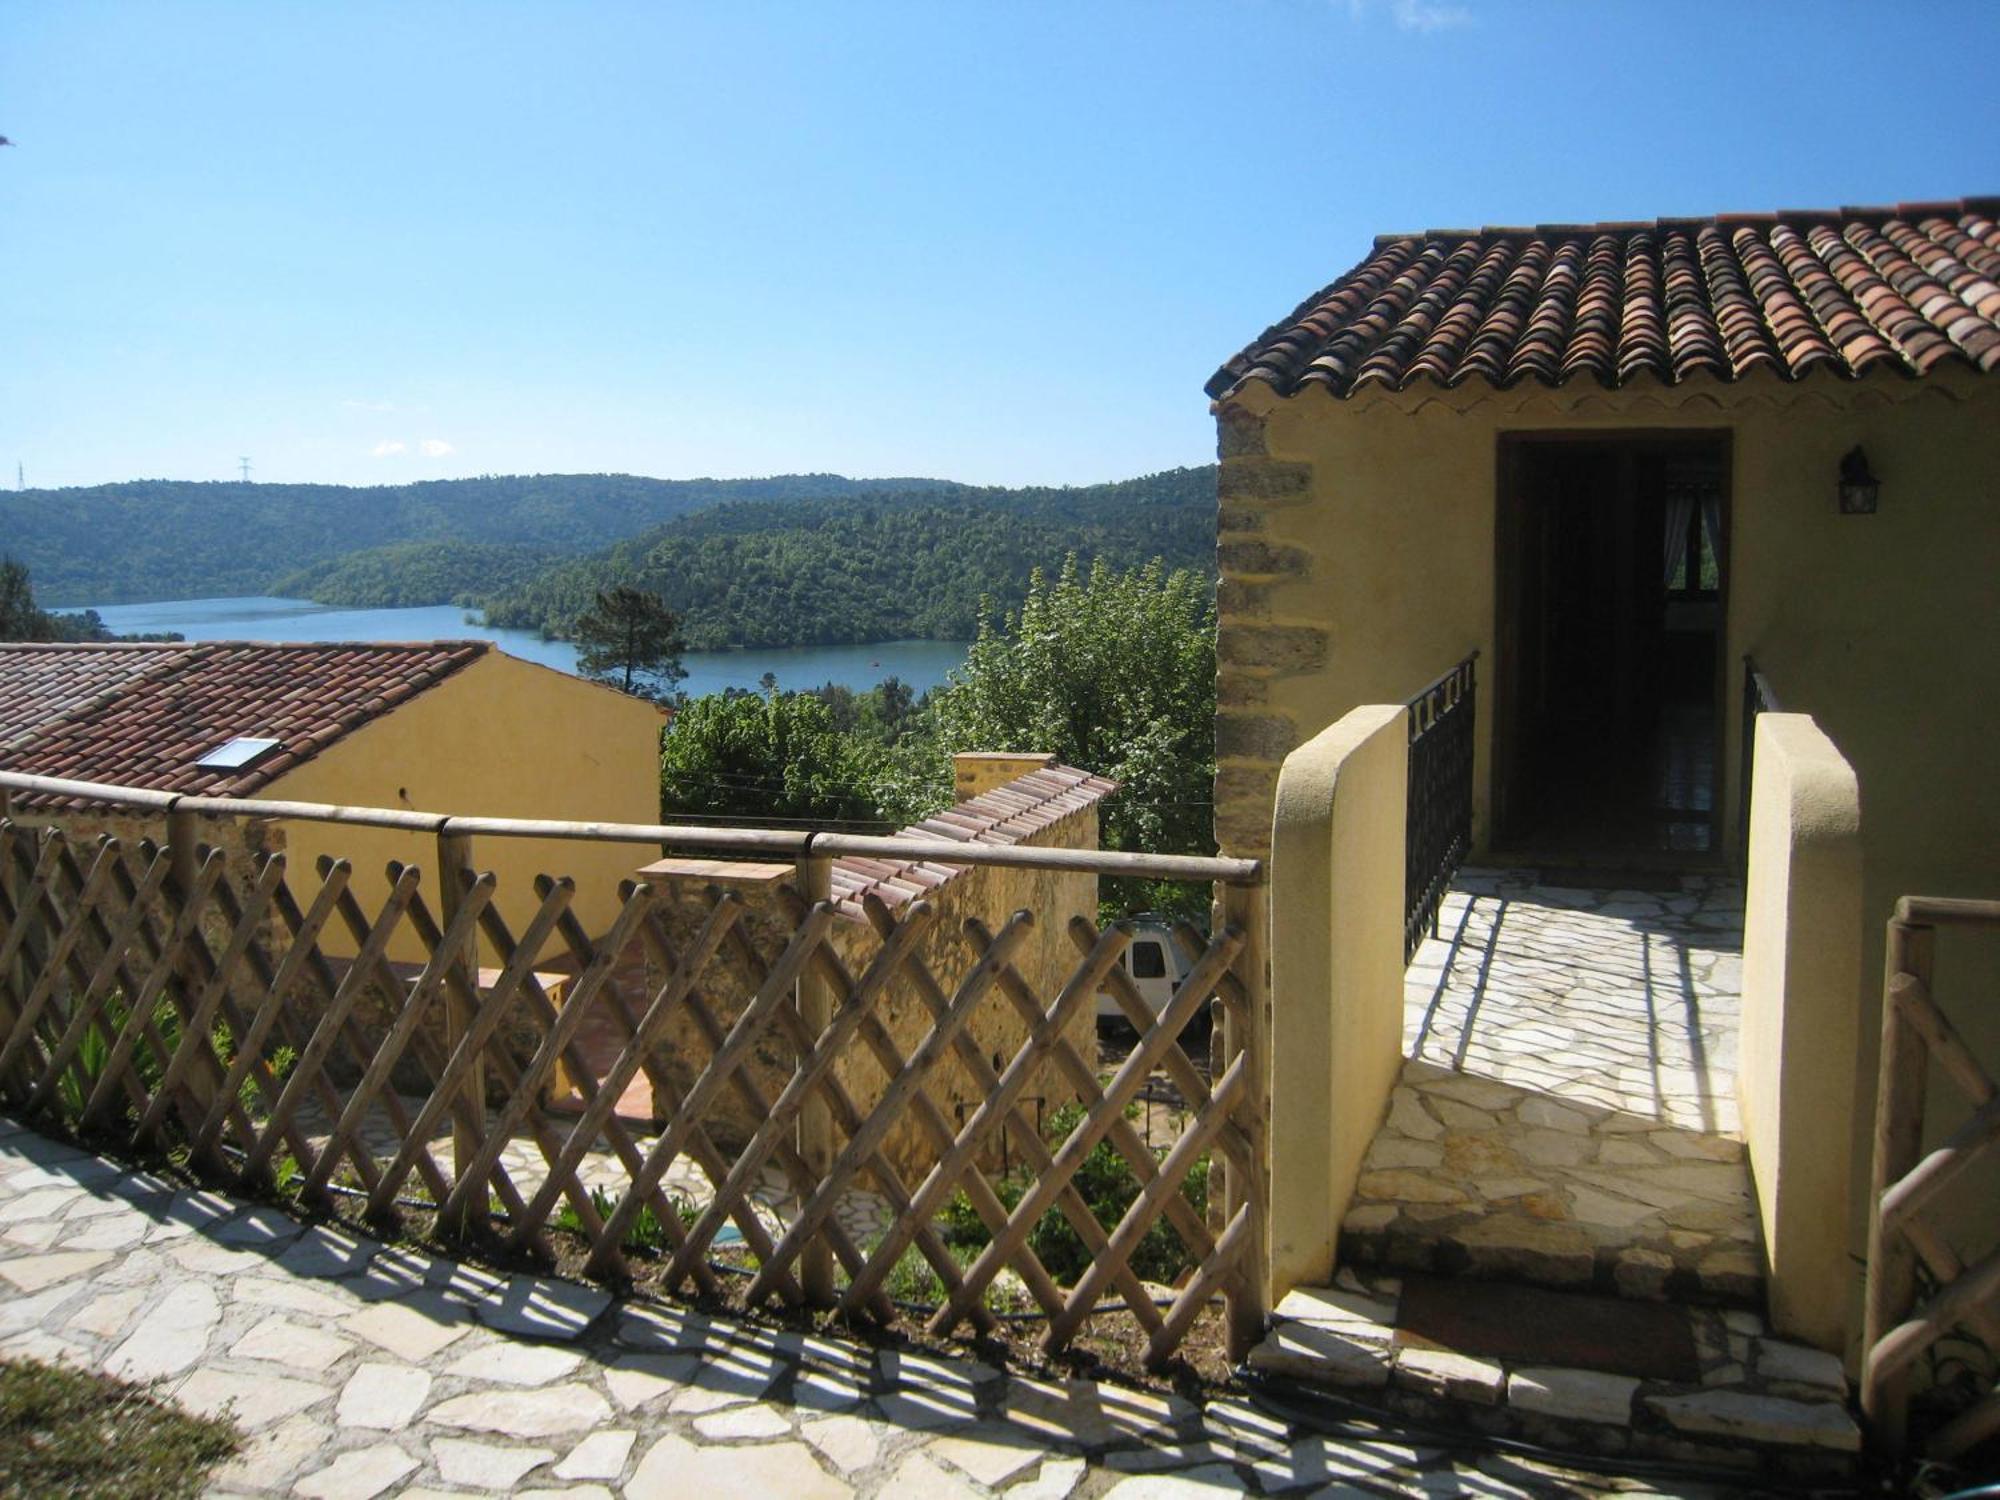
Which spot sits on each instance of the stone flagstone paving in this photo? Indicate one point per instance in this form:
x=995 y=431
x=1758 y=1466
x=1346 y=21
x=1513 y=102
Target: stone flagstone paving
x=1568 y=1110
x=362 y=1370
x=1627 y=1000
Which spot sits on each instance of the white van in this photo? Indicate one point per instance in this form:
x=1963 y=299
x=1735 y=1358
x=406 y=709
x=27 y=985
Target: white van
x=1156 y=966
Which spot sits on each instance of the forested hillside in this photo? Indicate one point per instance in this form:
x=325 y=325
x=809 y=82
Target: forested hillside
x=813 y=559
x=167 y=539
x=414 y=573
x=875 y=567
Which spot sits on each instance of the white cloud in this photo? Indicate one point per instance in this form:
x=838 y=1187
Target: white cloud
x=1427 y=15
x=389 y=448
x=352 y=405
x=435 y=448
x=1420 y=16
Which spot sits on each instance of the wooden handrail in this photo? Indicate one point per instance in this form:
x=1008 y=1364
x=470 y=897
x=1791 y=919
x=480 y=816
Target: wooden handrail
x=790 y=844
x=1947 y=911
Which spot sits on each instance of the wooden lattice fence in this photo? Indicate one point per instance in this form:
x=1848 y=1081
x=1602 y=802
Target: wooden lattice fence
x=1910 y=1187
x=177 y=998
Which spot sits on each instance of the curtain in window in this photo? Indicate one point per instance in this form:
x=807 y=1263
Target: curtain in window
x=1680 y=513
x=1711 y=523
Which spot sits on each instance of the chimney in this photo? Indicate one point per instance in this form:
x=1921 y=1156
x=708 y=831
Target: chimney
x=976 y=771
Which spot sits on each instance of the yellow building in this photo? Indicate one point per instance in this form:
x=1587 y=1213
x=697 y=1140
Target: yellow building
x=1619 y=462
x=439 y=727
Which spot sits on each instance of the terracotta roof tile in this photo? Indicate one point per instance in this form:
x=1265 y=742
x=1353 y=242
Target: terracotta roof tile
x=42 y=683
x=1914 y=288
x=142 y=715
x=1009 y=814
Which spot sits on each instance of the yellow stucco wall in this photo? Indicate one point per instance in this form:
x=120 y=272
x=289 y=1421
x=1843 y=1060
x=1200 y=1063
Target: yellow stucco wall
x=1801 y=1020
x=503 y=738
x=1358 y=542
x=1046 y=959
x=1336 y=977
x=1357 y=554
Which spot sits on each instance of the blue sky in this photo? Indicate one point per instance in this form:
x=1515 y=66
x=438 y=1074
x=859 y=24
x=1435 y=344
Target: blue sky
x=996 y=242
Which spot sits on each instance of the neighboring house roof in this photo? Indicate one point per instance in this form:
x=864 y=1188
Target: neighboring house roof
x=41 y=684
x=143 y=715
x=1011 y=814
x=1914 y=288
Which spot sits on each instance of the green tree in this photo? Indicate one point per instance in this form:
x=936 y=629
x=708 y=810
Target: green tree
x=778 y=755
x=20 y=619
x=632 y=641
x=878 y=715
x=1114 y=672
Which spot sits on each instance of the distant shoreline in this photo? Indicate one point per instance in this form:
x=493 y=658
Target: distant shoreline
x=920 y=663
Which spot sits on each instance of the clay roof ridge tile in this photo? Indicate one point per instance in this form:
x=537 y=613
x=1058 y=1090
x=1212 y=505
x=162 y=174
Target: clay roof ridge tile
x=1664 y=298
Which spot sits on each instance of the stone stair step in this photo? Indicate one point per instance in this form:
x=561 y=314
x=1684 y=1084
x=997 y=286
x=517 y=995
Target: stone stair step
x=1755 y=1402
x=1474 y=1175
x=1520 y=1247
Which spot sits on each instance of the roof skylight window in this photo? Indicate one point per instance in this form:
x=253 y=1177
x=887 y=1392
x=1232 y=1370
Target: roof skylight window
x=238 y=754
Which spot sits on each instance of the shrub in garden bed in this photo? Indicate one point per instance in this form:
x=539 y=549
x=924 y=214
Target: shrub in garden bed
x=1108 y=1185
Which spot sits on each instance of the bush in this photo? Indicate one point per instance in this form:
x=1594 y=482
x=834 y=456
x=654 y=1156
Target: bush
x=645 y=1232
x=93 y=1055
x=1108 y=1186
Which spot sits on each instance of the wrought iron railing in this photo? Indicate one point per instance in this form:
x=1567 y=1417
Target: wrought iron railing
x=1920 y=1292
x=1439 y=831
x=178 y=997
x=1757 y=699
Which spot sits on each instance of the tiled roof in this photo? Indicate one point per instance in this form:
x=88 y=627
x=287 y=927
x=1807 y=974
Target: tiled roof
x=142 y=715
x=40 y=684
x=1010 y=814
x=1912 y=288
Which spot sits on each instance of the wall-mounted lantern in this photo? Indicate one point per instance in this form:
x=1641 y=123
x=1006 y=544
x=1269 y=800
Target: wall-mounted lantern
x=1859 y=488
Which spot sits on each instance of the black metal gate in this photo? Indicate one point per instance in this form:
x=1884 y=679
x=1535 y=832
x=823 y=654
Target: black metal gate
x=1439 y=832
x=1757 y=699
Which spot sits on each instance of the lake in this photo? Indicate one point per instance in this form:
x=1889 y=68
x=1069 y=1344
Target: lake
x=922 y=664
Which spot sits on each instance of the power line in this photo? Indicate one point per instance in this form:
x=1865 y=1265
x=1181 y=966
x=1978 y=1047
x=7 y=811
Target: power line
x=244 y=465
x=729 y=820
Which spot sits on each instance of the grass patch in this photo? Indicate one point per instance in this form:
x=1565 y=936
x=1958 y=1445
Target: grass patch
x=65 y=1432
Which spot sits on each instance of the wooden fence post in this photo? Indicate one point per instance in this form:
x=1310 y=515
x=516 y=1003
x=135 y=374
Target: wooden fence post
x=1899 y=1128
x=183 y=862
x=455 y=870
x=814 y=998
x=1248 y=908
x=16 y=978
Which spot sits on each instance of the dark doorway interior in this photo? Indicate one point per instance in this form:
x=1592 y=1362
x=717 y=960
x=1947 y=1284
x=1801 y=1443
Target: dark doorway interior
x=1612 y=561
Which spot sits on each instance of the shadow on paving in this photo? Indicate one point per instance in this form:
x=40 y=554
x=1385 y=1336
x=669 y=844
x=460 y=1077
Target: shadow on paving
x=299 y=1313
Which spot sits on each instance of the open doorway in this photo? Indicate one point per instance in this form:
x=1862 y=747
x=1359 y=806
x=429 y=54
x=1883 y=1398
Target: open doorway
x=1612 y=574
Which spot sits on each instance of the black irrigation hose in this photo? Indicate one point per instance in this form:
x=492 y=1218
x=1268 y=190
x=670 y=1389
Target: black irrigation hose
x=922 y=1309
x=1292 y=1402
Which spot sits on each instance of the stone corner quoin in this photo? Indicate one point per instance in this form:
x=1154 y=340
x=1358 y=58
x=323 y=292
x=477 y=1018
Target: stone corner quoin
x=1254 y=645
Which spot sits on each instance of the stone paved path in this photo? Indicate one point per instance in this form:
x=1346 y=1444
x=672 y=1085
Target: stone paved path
x=1627 y=1000
x=1568 y=1112
x=362 y=1370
